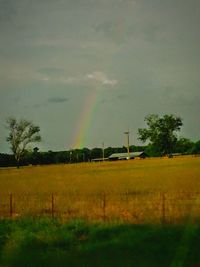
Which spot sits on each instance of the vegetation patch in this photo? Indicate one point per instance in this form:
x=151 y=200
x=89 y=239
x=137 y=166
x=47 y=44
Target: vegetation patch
x=44 y=242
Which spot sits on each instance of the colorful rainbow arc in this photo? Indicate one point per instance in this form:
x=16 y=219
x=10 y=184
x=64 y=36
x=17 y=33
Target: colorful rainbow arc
x=85 y=120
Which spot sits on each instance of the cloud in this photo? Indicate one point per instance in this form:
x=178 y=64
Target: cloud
x=7 y=10
x=57 y=100
x=54 y=42
x=101 y=78
x=58 y=76
x=122 y=96
x=51 y=71
x=37 y=105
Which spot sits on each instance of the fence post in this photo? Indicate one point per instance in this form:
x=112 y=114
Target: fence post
x=104 y=206
x=163 y=208
x=127 y=193
x=11 y=205
x=52 y=206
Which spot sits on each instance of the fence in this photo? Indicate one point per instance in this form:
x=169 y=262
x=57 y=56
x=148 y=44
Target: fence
x=131 y=207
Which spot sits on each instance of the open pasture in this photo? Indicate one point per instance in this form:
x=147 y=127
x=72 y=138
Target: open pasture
x=149 y=190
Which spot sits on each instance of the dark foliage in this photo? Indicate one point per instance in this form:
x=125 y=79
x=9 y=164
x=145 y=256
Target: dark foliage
x=160 y=131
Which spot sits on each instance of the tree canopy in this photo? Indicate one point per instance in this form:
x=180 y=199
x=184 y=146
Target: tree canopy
x=160 y=132
x=21 y=133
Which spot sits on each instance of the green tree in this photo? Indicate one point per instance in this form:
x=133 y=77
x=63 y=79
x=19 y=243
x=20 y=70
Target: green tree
x=21 y=134
x=86 y=154
x=96 y=153
x=160 y=132
x=184 y=146
x=196 y=148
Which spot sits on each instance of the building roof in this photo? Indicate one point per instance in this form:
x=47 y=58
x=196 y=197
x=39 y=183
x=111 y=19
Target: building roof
x=126 y=155
x=100 y=159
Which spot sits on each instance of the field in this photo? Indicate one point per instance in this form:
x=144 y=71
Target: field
x=139 y=213
x=136 y=191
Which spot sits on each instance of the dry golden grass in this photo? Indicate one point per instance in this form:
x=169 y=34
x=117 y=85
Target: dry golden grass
x=133 y=189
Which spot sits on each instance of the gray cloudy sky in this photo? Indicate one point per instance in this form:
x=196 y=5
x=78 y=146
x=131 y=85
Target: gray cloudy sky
x=136 y=56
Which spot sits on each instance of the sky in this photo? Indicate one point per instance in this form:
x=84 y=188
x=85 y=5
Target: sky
x=86 y=71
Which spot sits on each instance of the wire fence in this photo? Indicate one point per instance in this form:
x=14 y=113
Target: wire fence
x=131 y=207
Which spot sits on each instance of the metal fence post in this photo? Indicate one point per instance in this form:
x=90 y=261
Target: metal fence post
x=11 y=205
x=52 y=206
x=163 y=208
x=104 y=206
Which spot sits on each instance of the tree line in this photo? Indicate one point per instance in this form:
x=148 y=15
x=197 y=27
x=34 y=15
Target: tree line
x=36 y=157
x=160 y=132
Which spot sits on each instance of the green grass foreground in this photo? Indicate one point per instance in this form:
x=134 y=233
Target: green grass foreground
x=44 y=242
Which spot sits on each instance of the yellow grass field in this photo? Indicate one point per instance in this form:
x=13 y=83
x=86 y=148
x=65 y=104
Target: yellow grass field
x=135 y=191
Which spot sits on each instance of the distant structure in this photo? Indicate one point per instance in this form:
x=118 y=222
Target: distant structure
x=99 y=159
x=122 y=156
x=126 y=156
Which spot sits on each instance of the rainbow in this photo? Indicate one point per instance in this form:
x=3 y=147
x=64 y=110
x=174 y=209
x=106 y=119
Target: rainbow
x=85 y=120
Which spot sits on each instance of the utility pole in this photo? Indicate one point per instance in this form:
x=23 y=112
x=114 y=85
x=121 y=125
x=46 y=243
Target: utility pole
x=127 y=135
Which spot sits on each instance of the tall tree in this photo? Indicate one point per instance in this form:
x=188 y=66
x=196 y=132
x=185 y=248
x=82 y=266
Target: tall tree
x=160 y=132
x=21 y=134
x=196 y=148
x=184 y=145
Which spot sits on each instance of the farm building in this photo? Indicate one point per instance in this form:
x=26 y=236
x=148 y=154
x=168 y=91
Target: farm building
x=124 y=156
x=99 y=159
